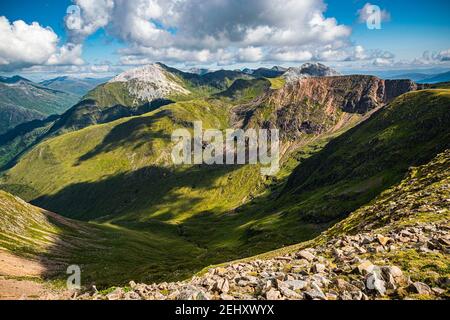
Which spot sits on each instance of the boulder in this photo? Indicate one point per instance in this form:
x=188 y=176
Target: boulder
x=375 y=283
x=319 y=268
x=306 y=255
x=273 y=294
x=296 y=285
x=315 y=293
x=365 y=267
x=383 y=240
x=222 y=286
x=420 y=288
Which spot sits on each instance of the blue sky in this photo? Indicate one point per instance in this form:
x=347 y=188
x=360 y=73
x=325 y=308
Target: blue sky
x=128 y=37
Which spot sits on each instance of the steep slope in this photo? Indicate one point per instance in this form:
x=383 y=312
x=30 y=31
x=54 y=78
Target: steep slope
x=142 y=90
x=138 y=149
x=122 y=171
x=22 y=100
x=77 y=86
x=119 y=173
x=133 y=153
x=132 y=93
x=361 y=163
x=317 y=105
x=108 y=255
x=244 y=91
x=16 y=141
x=395 y=248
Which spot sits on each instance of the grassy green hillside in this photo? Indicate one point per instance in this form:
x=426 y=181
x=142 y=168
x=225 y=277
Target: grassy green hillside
x=405 y=228
x=419 y=200
x=22 y=101
x=16 y=141
x=363 y=162
x=106 y=254
x=180 y=219
x=244 y=91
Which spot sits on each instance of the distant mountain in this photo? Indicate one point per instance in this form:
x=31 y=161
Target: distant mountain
x=309 y=70
x=77 y=86
x=313 y=106
x=411 y=76
x=22 y=100
x=199 y=71
x=265 y=72
x=443 y=77
x=141 y=90
x=13 y=79
x=279 y=68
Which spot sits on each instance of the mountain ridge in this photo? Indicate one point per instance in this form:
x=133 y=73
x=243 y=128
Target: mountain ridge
x=22 y=100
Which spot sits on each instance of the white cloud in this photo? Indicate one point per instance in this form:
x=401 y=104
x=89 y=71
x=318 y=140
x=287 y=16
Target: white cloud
x=212 y=31
x=85 y=70
x=386 y=59
x=23 y=45
x=441 y=56
x=250 y=54
x=87 y=18
x=68 y=54
x=287 y=55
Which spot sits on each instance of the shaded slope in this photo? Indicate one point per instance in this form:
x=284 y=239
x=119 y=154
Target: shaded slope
x=360 y=164
x=22 y=100
x=107 y=255
x=120 y=174
x=401 y=240
x=77 y=86
x=133 y=154
x=18 y=140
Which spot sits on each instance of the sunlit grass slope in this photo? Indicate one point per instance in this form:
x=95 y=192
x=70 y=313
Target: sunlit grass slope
x=181 y=219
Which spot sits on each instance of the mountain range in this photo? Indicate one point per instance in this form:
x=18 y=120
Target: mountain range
x=422 y=77
x=102 y=192
x=22 y=100
x=77 y=86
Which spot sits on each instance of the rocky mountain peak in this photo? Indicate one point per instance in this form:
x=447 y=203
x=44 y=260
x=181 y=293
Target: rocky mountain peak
x=308 y=70
x=14 y=80
x=150 y=82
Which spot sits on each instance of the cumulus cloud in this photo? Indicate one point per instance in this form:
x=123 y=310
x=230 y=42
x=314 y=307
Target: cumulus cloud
x=23 y=45
x=427 y=59
x=68 y=54
x=366 y=12
x=211 y=31
x=86 y=70
x=250 y=54
x=441 y=56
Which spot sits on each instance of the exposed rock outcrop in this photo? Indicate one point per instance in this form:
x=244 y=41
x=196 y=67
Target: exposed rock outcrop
x=316 y=105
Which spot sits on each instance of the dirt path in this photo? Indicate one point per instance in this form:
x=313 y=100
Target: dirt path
x=16 y=281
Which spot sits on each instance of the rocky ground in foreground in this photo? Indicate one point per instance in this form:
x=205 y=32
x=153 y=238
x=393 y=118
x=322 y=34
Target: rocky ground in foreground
x=339 y=270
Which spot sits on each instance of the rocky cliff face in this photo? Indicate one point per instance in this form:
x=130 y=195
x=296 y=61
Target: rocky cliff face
x=316 y=105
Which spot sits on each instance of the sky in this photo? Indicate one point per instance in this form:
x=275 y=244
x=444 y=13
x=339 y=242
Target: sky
x=47 y=38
